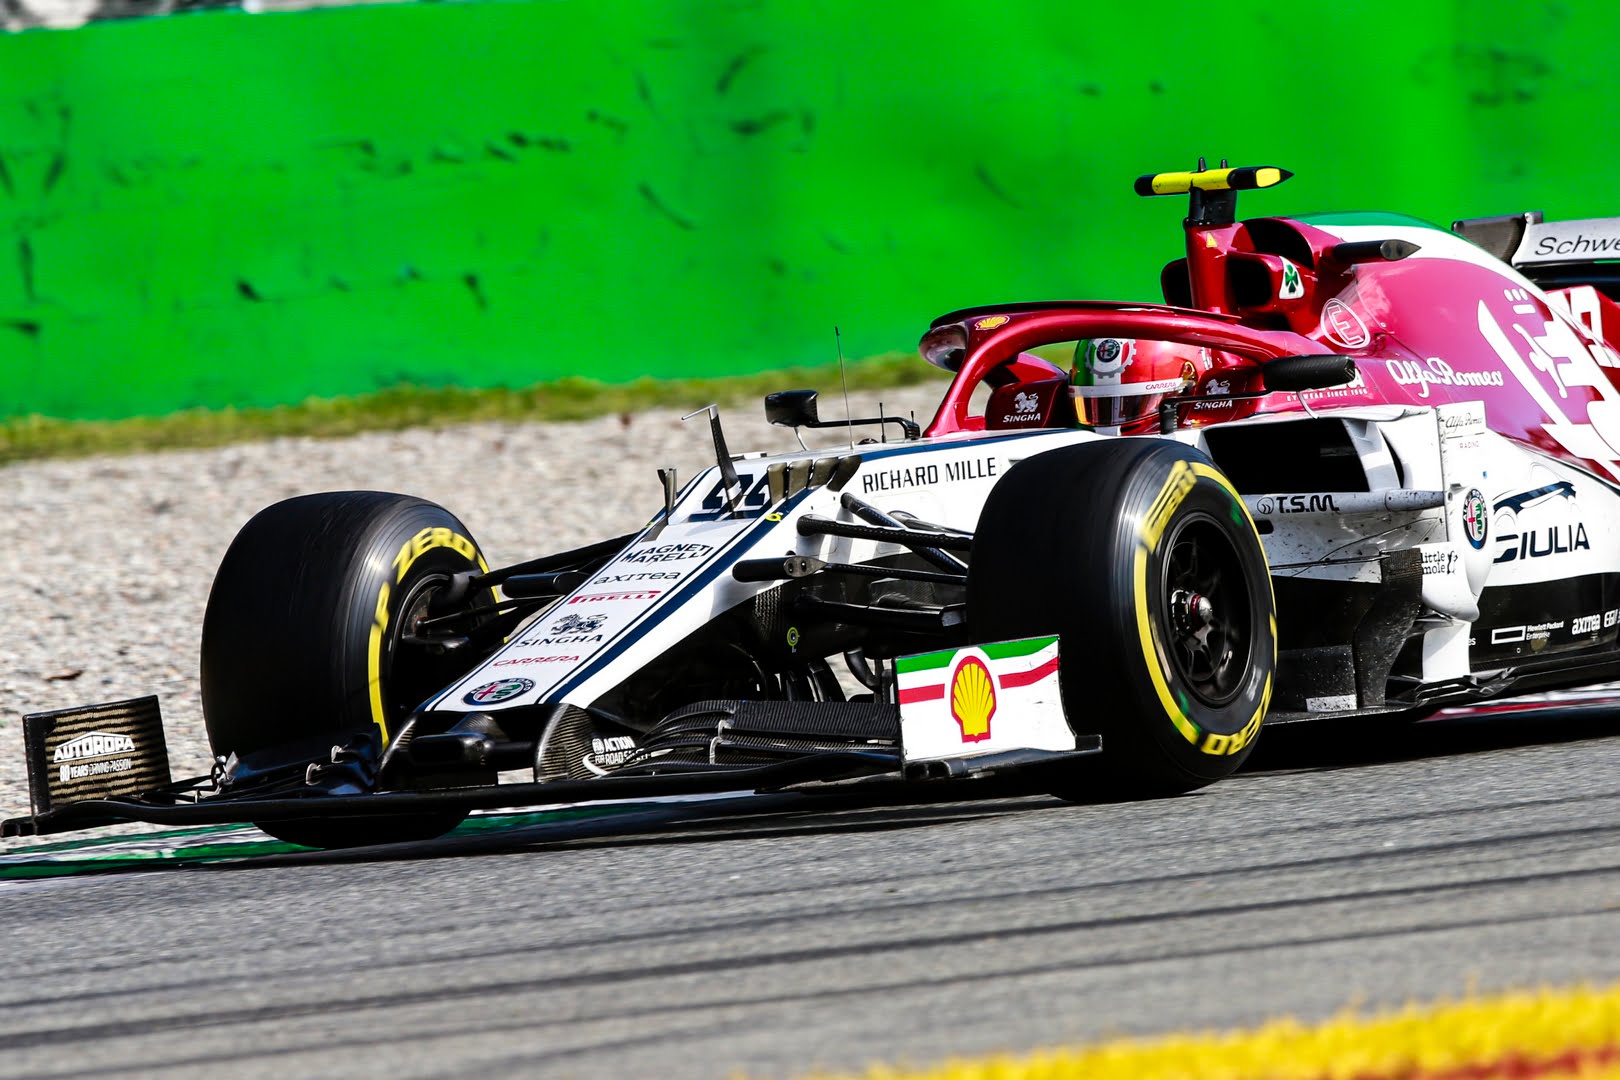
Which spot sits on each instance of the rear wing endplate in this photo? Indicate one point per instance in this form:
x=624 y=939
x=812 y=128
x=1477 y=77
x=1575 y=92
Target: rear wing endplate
x=1553 y=254
x=1529 y=240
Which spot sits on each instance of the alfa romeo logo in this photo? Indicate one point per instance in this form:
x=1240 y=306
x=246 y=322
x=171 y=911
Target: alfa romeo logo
x=499 y=690
x=1474 y=520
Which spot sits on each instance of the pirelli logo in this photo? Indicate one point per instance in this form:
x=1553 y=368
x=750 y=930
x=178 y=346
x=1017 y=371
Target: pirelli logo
x=1176 y=485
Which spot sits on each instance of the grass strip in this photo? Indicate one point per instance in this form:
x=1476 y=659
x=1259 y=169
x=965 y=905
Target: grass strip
x=1547 y=1034
x=572 y=398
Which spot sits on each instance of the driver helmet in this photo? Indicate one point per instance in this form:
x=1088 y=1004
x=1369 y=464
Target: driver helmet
x=1120 y=382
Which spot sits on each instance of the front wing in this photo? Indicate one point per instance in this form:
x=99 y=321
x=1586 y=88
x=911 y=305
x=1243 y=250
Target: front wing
x=965 y=712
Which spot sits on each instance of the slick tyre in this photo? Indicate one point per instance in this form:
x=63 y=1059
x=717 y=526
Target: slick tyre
x=1140 y=555
x=306 y=641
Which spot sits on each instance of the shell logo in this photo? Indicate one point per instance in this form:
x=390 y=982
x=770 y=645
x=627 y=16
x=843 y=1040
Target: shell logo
x=992 y=322
x=973 y=699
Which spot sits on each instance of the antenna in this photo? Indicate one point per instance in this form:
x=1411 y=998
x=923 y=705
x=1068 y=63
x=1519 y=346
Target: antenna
x=849 y=417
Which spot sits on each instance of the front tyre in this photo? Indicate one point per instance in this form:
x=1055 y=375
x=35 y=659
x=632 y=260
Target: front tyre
x=307 y=640
x=1140 y=555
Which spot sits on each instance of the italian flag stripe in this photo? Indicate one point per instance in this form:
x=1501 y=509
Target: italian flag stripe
x=1027 y=678
x=924 y=661
x=996 y=650
x=1006 y=650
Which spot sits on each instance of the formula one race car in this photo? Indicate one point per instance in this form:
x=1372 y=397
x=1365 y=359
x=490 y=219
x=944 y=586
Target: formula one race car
x=1356 y=467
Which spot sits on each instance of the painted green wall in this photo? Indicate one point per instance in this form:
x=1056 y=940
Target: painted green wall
x=232 y=209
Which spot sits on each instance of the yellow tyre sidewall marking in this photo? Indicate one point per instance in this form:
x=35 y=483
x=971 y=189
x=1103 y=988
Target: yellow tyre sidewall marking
x=1183 y=476
x=1150 y=653
x=379 y=625
x=418 y=545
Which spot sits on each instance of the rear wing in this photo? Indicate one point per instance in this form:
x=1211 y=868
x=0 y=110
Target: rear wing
x=1553 y=254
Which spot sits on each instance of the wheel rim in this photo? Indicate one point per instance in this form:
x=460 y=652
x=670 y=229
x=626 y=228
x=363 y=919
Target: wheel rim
x=411 y=672
x=1204 y=592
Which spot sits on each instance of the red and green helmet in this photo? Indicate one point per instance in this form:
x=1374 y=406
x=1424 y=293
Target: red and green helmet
x=1120 y=382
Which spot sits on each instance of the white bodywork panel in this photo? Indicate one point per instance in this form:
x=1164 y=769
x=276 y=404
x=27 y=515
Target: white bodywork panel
x=667 y=585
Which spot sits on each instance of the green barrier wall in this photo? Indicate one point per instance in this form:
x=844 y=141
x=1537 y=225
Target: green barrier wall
x=247 y=210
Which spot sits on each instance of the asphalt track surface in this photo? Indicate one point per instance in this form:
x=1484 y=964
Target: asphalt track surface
x=1350 y=866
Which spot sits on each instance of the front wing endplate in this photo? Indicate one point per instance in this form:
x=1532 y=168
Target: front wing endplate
x=981 y=699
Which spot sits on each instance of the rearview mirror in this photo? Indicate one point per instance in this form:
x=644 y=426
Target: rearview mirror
x=1291 y=374
x=792 y=408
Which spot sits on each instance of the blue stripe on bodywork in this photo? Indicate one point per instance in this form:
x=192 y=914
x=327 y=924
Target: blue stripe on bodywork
x=633 y=633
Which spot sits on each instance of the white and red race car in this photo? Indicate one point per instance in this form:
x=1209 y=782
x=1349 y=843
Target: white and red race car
x=1355 y=467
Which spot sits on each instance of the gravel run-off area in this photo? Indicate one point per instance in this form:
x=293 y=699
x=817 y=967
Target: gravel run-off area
x=107 y=561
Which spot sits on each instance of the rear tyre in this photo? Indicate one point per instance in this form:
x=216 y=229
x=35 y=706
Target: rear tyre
x=1140 y=555
x=306 y=638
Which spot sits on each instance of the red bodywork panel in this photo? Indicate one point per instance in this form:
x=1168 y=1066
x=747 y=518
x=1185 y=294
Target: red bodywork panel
x=1036 y=404
x=1449 y=323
